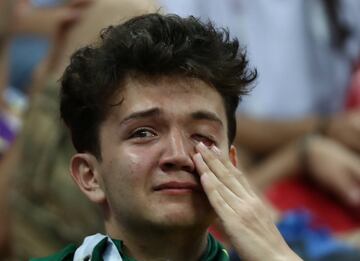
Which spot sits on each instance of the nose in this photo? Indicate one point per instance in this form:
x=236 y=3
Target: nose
x=177 y=153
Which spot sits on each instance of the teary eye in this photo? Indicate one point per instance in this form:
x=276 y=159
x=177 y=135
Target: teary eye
x=204 y=139
x=142 y=133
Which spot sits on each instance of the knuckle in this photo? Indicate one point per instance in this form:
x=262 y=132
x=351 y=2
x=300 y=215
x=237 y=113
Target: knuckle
x=227 y=179
x=218 y=201
x=239 y=173
x=251 y=210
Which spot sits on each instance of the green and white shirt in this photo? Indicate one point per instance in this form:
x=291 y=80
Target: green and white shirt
x=102 y=248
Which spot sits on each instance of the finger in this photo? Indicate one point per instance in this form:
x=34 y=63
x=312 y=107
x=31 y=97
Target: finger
x=238 y=174
x=225 y=176
x=200 y=165
x=211 y=160
x=230 y=192
x=354 y=189
x=232 y=177
x=221 y=207
x=224 y=201
x=353 y=140
x=354 y=165
x=221 y=156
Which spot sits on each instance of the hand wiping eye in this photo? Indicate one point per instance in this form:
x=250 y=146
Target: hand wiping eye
x=207 y=141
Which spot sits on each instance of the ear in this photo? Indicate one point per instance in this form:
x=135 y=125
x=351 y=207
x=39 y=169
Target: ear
x=233 y=155
x=85 y=170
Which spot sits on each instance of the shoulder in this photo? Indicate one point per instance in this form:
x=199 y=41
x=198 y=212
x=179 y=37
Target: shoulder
x=66 y=254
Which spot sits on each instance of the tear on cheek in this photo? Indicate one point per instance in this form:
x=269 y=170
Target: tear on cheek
x=135 y=158
x=134 y=164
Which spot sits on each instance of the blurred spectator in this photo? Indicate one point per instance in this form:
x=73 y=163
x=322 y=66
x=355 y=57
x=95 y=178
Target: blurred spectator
x=34 y=36
x=305 y=52
x=31 y=27
x=5 y=14
x=47 y=210
x=17 y=17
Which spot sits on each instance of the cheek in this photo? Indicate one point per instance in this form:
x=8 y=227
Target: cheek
x=141 y=162
x=136 y=162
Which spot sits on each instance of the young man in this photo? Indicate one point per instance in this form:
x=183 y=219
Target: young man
x=151 y=110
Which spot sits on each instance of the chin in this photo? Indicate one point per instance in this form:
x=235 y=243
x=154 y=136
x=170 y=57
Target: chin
x=182 y=217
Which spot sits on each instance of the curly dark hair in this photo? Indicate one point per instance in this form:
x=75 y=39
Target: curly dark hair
x=149 y=45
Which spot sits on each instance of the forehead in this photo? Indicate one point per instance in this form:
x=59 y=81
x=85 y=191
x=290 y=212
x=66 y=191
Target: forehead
x=173 y=95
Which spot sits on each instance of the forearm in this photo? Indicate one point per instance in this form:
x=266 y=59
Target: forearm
x=4 y=70
x=284 y=162
x=263 y=136
x=7 y=166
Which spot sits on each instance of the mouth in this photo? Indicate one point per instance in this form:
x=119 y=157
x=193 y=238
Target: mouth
x=175 y=187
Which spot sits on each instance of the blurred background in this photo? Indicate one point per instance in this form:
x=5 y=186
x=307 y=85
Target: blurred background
x=298 y=132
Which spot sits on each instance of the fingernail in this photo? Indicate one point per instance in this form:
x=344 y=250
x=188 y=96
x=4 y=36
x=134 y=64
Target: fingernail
x=197 y=156
x=202 y=145
x=215 y=149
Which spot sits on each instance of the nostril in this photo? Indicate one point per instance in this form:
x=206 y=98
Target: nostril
x=168 y=166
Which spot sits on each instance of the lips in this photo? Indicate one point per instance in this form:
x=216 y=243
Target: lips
x=175 y=185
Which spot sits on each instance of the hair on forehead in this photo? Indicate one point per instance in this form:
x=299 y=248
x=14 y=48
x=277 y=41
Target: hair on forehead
x=148 y=47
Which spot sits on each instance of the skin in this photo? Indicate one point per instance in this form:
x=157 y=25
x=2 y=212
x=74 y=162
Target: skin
x=30 y=19
x=20 y=17
x=336 y=167
x=343 y=128
x=333 y=159
x=330 y=164
x=251 y=135
x=246 y=220
x=152 y=139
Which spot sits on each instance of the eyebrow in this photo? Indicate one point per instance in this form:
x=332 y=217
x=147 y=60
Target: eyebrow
x=156 y=112
x=153 y=112
x=206 y=115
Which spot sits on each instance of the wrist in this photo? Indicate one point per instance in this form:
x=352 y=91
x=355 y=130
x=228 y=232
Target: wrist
x=303 y=152
x=292 y=256
x=322 y=126
x=309 y=147
x=287 y=255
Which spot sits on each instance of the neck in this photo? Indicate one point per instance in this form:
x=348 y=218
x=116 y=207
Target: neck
x=161 y=244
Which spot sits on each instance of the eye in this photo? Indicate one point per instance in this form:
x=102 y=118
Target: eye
x=142 y=133
x=204 y=139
